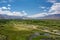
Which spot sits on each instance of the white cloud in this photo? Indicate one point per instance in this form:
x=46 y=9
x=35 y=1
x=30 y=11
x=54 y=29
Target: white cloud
x=42 y=7
x=52 y=1
x=19 y=14
x=38 y=15
x=24 y=12
x=45 y=10
x=6 y=8
x=9 y=5
x=9 y=13
x=55 y=9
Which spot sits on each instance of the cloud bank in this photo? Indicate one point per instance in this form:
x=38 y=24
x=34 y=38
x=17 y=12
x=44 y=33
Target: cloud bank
x=54 y=9
x=6 y=11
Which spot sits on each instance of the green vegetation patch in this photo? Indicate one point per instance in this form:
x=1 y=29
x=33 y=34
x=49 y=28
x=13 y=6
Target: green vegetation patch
x=29 y=29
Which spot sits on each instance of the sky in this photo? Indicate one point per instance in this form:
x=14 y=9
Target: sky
x=29 y=8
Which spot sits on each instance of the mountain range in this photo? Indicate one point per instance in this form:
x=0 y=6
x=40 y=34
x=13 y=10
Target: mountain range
x=3 y=16
x=54 y=16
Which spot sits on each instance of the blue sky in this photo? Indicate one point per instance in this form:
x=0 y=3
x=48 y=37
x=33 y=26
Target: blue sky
x=30 y=7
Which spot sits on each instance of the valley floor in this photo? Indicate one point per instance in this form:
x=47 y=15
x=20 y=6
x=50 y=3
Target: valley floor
x=29 y=29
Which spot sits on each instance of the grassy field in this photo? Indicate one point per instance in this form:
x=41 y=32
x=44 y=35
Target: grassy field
x=29 y=29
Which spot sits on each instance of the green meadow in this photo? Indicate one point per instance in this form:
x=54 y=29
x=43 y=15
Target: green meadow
x=29 y=29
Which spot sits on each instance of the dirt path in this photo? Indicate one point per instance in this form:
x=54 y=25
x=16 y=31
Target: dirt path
x=48 y=31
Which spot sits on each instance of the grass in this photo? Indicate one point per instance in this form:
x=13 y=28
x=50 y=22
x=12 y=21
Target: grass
x=23 y=29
